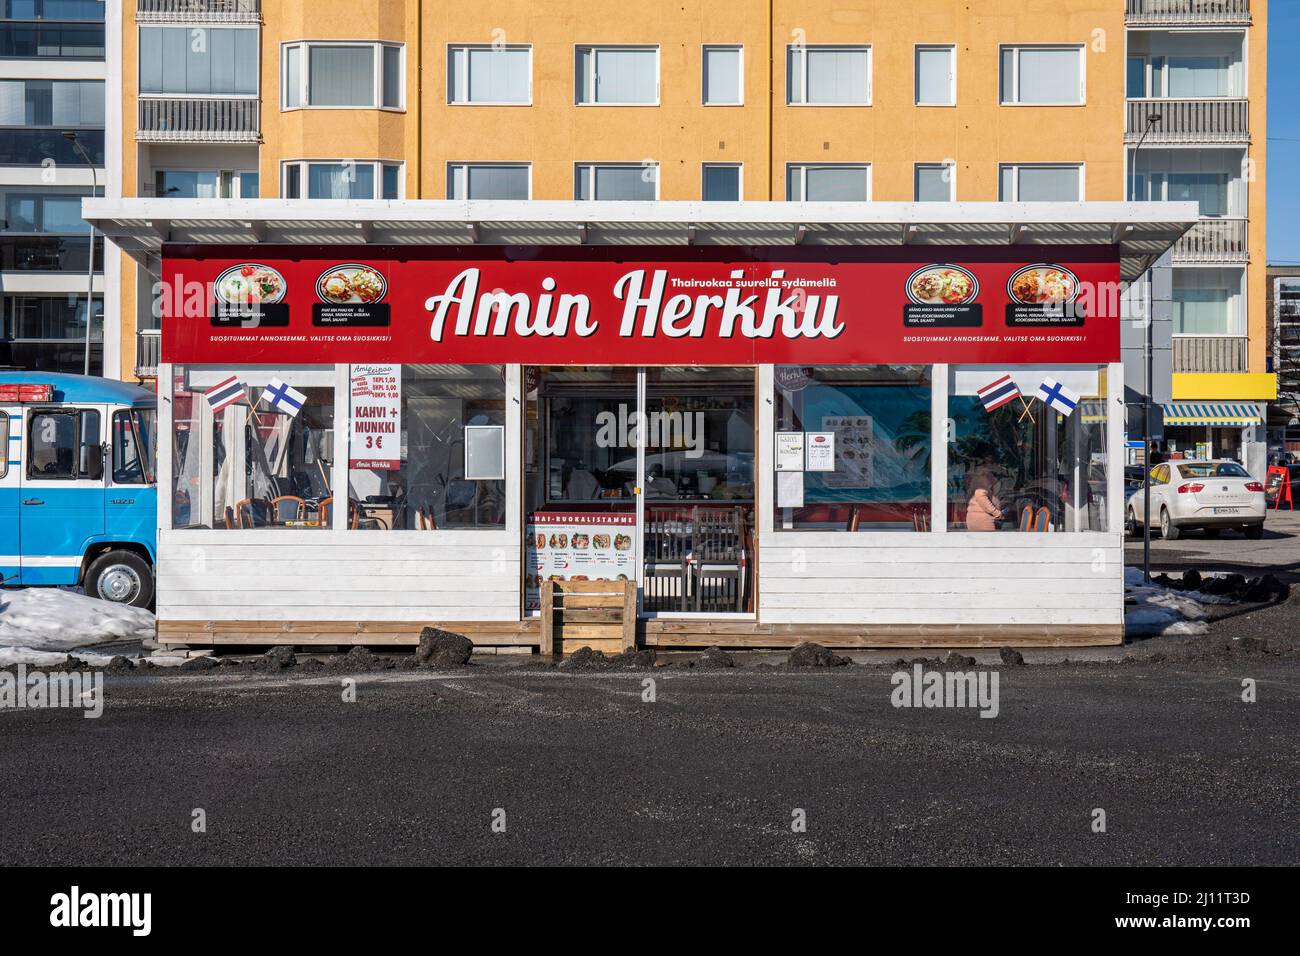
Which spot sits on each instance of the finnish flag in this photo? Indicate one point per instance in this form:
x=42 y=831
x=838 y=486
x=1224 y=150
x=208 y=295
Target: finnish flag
x=283 y=397
x=1055 y=395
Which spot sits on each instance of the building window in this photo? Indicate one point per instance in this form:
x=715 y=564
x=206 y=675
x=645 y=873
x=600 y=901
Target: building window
x=827 y=183
x=936 y=182
x=828 y=75
x=453 y=421
x=1008 y=471
x=1040 y=182
x=721 y=182
x=489 y=181
x=58 y=213
x=634 y=181
x=936 y=75
x=490 y=75
x=64 y=41
x=342 y=180
x=62 y=103
x=52 y=10
x=880 y=417
x=252 y=463
x=723 y=81
x=1208 y=302
x=205 y=184
x=1192 y=64
x=617 y=75
x=1042 y=75
x=343 y=76
x=213 y=61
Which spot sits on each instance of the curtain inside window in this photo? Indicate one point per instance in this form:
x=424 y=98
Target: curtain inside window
x=340 y=181
x=722 y=75
x=1048 y=76
x=837 y=76
x=934 y=76
x=341 y=76
x=836 y=184
x=626 y=76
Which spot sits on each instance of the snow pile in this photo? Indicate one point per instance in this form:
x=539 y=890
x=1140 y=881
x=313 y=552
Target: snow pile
x=1152 y=609
x=39 y=626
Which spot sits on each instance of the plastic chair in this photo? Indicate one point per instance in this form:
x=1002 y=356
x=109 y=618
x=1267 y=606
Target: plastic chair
x=287 y=508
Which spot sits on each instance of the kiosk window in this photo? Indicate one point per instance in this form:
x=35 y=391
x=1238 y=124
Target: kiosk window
x=442 y=464
x=253 y=450
x=877 y=475
x=64 y=445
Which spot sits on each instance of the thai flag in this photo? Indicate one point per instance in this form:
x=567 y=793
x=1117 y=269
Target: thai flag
x=283 y=397
x=996 y=394
x=225 y=393
x=1055 y=395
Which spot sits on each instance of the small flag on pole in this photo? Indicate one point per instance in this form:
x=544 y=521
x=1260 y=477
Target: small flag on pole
x=996 y=394
x=283 y=397
x=1055 y=395
x=225 y=393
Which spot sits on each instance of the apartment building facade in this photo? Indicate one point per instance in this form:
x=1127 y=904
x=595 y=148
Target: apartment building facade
x=52 y=70
x=726 y=100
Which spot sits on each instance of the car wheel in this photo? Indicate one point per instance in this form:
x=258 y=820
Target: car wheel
x=1254 y=531
x=121 y=577
x=1168 y=530
x=1211 y=532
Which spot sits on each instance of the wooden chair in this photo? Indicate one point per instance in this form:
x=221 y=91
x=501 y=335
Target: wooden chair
x=1027 y=518
x=717 y=558
x=230 y=517
x=253 y=513
x=287 y=508
x=1043 y=520
x=323 y=510
x=855 y=519
x=921 y=519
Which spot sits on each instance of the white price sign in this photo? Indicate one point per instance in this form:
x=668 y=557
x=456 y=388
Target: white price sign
x=821 y=451
x=376 y=417
x=789 y=451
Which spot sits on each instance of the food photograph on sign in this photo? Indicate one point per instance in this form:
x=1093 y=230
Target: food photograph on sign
x=1044 y=294
x=250 y=283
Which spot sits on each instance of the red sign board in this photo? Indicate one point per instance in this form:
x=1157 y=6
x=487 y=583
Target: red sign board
x=557 y=306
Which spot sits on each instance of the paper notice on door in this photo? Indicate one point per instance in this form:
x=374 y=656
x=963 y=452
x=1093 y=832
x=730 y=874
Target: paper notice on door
x=820 y=451
x=789 y=489
x=789 y=451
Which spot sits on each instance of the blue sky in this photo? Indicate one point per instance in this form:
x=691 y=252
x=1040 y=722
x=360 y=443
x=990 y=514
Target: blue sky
x=1283 y=162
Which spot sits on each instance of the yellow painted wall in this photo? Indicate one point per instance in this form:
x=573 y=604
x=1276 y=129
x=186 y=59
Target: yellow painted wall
x=1256 y=278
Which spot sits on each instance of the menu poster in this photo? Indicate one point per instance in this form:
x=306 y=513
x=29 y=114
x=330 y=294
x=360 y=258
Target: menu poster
x=855 y=451
x=789 y=451
x=569 y=546
x=376 y=440
x=821 y=451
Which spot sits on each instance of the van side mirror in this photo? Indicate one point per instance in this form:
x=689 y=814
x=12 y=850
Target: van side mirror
x=94 y=463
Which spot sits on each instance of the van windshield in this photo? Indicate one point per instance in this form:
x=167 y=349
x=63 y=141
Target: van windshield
x=135 y=431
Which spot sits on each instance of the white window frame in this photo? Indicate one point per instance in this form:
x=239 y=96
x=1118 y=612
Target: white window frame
x=593 y=166
x=451 y=165
x=589 y=78
x=739 y=167
x=452 y=48
x=803 y=50
x=803 y=177
x=952 y=178
x=304 y=73
x=1079 y=48
x=378 y=165
x=704 y=73
x=188 y=27
x=951 y=49
x=1081 y=167
x=233 y=172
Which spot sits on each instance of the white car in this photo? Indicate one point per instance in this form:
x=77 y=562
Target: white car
x=1211 y=495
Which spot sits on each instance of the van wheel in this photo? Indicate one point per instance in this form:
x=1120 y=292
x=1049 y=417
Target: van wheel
x=122 y=577
x=1168 y=530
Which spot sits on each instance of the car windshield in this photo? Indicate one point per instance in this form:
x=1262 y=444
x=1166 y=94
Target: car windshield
x=1213 y=469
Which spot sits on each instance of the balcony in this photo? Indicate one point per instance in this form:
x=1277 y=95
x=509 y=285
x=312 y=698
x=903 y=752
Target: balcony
x=1199 y=12
x=148 y=350
x=199 y=120
x=1189 y=121
x=198 y=11
x=1214 y=240
x=1210 y=353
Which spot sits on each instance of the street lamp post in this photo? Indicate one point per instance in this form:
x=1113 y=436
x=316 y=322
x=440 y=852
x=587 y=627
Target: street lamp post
x=71 y=137
x=1152 y=120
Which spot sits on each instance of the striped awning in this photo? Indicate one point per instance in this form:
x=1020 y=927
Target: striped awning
x=1238 y=414
x=1094 y=410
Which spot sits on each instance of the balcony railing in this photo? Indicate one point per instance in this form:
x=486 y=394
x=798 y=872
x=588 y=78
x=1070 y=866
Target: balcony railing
x=211 y=120
x=1214 y=240
x=1190 y=121
x=1210 y=353
x=148 y=350
x=1157 y=12
x=206 y=11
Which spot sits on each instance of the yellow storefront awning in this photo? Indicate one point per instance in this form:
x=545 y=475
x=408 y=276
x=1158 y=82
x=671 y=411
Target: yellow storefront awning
x=1227 y=414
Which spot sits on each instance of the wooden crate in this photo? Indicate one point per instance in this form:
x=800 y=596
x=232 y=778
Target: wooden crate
x=596 y=614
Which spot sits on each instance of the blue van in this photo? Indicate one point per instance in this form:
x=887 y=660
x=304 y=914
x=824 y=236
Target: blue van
x=78 y=501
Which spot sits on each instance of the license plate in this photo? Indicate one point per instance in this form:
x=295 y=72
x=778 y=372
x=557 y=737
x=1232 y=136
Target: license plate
x=1227 y=511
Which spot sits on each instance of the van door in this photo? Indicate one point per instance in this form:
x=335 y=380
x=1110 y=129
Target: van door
x=61 y=507
x=11 y=430
x=131 y=509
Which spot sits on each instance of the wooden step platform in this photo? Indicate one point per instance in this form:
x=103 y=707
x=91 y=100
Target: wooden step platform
x=596 y=614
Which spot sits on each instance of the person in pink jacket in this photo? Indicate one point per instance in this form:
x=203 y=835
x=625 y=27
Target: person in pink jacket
x=983 y=510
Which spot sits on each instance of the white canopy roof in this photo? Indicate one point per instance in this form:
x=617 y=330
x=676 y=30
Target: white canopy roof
x=1143 y=231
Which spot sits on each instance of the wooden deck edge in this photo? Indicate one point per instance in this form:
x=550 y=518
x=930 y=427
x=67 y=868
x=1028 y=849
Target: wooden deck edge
x=669 y=635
